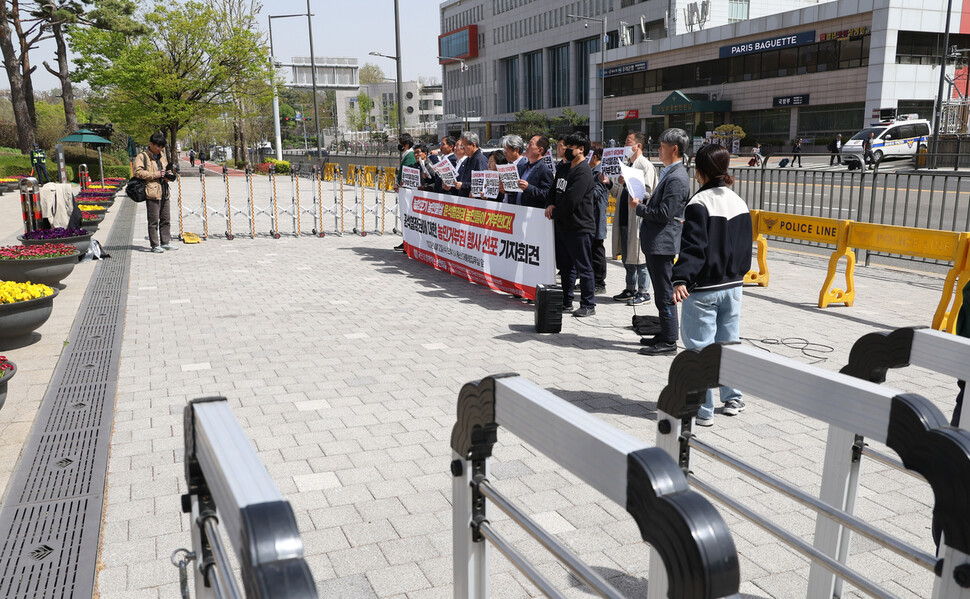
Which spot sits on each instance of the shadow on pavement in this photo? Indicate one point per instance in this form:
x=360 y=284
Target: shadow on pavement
x=440 y=284
x=832 y=310
x=520 y=333
x=609 y=403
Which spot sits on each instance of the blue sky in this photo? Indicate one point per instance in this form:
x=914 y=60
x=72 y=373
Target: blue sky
x=336 y=32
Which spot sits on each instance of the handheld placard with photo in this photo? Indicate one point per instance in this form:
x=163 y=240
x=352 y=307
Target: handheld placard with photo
x=612 y=158
x=410 y=177
x=509 y=174
x=633 y=177
x=446 y=171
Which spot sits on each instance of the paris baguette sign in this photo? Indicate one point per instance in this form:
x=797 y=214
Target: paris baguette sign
x=773 y=43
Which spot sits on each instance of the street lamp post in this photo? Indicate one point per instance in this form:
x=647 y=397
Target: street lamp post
x=938 y=116
x=464 y=92
x=602 y=74
x=313 y=82
x=276 y=98
x=400 y=99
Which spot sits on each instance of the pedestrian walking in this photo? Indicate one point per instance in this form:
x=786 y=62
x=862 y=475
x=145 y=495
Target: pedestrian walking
x=868 y=158
x=715 y=254
x=192 y=157
x=796 y=152
x=153 y=167
x=835 y=148
x=662 y=222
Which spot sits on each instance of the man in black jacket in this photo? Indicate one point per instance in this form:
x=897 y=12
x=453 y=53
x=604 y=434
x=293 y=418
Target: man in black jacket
x=660 y=230
x=571 y=206
x=476 y=161
x=535 y=178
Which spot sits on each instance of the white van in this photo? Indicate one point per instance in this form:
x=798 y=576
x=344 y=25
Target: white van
x=901 y=138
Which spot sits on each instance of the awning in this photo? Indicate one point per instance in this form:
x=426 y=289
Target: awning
x=680 y=103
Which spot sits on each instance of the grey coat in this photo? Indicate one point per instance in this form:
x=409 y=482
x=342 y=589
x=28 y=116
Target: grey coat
x=663 y=215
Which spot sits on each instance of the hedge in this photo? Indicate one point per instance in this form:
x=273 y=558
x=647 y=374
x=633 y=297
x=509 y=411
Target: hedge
x=10 y=170
x=282 y=167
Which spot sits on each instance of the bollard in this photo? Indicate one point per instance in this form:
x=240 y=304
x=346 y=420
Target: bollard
x=83 y=179
x=30 y=203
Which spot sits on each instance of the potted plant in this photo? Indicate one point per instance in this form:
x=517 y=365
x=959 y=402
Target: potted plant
x=92 y=220
x=7 y=370
x=81 y=238
x=24 y=307
x=47 y=263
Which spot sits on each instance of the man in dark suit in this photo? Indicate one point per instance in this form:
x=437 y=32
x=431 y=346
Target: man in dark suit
x=476 y=161
x=446 y=150
x=535 y=178
x=660 y=230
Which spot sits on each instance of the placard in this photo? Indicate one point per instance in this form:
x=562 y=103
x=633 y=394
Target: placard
x=491 y=184
x=446 y=171
x=509 y=175
x=480 y=241
x=549 y=162
x=410 y=177
x=612 y=157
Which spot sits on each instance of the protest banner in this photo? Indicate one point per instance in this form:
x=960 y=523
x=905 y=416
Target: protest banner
x=410 y=177
x=446 y=171
x=480 y=241
x=612 y=157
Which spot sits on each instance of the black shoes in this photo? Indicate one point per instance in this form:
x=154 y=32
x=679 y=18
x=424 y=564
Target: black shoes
x=659 y=349
x=399 y=248
x=626 y=296
x=585 y=311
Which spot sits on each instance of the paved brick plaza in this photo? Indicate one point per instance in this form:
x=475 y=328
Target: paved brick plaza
x=343 y=360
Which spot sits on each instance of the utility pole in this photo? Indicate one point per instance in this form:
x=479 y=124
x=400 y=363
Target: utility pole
x=313 y=80
x=938 y=116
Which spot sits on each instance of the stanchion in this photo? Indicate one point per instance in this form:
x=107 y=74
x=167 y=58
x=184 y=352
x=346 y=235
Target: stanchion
x=178 y=179
x=360 y=205
x=339 y=181
x=275 y=231
x=383 y=184
x=225 y=179
x=298 y=209
x=30 y=203
x=252 y=212
x=205 y=213
x=316 y=177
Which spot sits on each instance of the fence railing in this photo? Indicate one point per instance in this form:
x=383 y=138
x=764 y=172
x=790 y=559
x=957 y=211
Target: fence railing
x=689 y=539
x=853 y=409
x=230 y=493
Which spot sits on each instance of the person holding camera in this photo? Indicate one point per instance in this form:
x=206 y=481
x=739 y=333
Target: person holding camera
x=152 y=166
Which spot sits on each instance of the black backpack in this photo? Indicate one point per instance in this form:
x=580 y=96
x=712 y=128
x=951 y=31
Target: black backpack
x=135 y=188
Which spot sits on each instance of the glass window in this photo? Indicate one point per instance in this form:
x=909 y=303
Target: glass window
x=769 y=64
x=752 y=67
x=736 y=69
x=511 y=84
x=559 y=65
x=850 y=53
x=828 y=56
x=787 y=61
x=533 y=80
x=808 y=59
x=636 y=83
x=586 y=47
x=702 y=73
x=650 y=81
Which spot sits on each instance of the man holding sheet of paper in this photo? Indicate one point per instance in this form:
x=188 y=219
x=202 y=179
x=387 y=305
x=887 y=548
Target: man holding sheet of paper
x=635 y=170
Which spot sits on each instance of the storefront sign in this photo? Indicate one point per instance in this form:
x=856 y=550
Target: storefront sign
x=783 y=101
x=774 y=43
x=622 y=115
x=506 y=247
x=838 y=35
x=624 y=69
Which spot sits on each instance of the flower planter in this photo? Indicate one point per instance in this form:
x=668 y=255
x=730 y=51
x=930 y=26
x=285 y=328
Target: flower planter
x=3 y=383
x=20 y=319
x=49 y=271
x=92 y=225
x=81 y=242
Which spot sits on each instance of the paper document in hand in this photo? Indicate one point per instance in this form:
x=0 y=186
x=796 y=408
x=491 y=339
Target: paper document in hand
x=446 y=171
x=410 y=177
x=612 y=158
x=633 y=177
x=509 y=174
x=478 y=183
x=491 y=184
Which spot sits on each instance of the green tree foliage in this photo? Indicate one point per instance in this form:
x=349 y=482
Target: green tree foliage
x=358 y=115
x=727 y=133
x=371 y=73
x=529 y=123
x=178 y=75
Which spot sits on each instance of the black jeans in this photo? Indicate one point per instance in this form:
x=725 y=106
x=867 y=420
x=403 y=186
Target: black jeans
x=599 y=262
x=661 y=269
x=836 y=158
x=576 y=252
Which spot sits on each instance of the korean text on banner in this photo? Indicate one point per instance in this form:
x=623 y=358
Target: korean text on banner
x=506 y=247
x=446 y=171
x=509 y=173
x=612 y=157
x=410 y=177
x=633 y=177
x=549 y=162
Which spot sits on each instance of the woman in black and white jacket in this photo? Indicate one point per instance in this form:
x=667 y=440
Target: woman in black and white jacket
x=715 y=254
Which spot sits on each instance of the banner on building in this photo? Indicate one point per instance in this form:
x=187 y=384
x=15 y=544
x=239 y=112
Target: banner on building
x=503 y=246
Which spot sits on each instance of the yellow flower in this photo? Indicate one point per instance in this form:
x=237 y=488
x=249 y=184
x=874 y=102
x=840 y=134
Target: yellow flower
x=90 y=208
x=11 y=292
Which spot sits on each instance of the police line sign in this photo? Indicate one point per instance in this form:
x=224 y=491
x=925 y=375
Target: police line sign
x=506 y=247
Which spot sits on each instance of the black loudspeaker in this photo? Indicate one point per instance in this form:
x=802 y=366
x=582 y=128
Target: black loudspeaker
x=548 y=308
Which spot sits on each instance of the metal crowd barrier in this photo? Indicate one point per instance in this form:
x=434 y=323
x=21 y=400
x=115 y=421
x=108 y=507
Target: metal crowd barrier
x=229 y=486
x=690 y=539
x=906 y=423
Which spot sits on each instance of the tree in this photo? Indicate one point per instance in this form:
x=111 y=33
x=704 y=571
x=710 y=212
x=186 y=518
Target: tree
x=371 y=73
x=182 y=73
x=358 y=115
x=727 y=133
x=392 y=112
x=21 y=93
x=529 y=123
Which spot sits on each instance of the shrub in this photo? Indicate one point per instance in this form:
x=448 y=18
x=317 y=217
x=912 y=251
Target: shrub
x=242 y=164
x=282 y=166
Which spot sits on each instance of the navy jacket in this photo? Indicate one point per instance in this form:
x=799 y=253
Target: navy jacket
x=540 y=183
x=663 y=215
x=475 y=162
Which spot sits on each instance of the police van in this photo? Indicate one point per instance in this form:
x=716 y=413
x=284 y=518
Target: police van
x=901 y=137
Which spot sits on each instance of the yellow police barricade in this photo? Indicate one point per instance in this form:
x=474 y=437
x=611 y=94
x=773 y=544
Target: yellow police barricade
x=806 y=228
x=948 y=246
x=329 y=169
x=351 y=174
x=390 y=178
x=370 y=174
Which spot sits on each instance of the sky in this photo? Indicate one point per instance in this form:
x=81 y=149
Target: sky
x=334 y=34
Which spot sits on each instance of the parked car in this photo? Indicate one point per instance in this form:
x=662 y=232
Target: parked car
x=899 y=138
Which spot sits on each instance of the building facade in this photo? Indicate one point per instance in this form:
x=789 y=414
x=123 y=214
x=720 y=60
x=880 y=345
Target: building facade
x=809 y=72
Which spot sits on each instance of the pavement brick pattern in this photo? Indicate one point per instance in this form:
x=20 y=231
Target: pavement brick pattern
x=343 y=360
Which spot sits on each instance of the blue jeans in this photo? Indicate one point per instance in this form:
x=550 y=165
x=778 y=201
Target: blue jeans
x=709 y=317
x=636 y=278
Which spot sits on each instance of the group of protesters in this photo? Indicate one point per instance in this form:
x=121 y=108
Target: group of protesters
x=694 y=250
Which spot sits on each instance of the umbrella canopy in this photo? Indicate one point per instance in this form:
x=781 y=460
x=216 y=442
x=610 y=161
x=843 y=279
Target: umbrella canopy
x=83 y=136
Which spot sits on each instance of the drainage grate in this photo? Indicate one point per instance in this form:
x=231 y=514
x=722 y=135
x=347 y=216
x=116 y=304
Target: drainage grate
x=50 y=523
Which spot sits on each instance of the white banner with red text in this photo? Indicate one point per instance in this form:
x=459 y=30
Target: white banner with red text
x=503 y=246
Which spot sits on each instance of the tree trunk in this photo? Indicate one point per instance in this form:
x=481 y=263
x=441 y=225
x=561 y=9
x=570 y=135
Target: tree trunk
x=173 y=132
x=21 y=113
x=64 y=74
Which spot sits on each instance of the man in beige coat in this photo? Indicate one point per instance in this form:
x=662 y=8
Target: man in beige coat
x=626 y=225
x=152 y=166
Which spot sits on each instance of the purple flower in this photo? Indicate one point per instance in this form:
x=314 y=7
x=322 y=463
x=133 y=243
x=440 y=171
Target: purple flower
x=57 y=233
